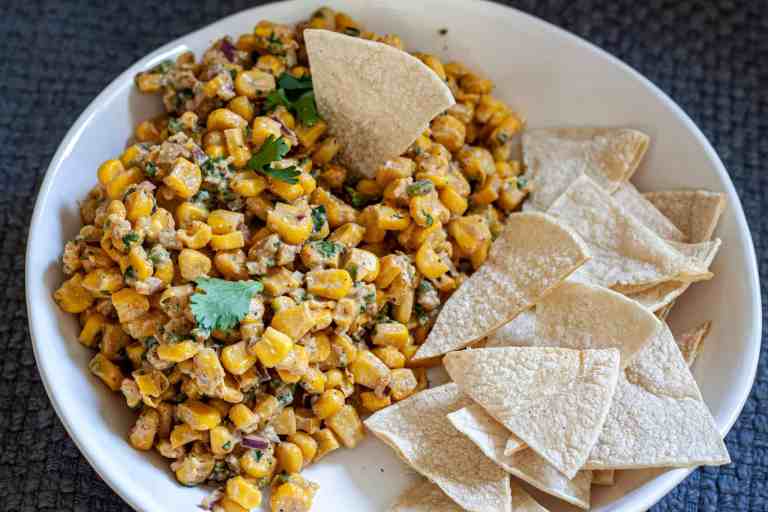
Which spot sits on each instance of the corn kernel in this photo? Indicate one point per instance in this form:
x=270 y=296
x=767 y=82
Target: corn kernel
x=337 y=211
x=227 y=242
x=107 y=371
x=289 y=457
x=184 y=178
x=306 y=444
x=178 y=352
x=308 y=135
x=222 y=440
x=118 y=185
x=391 y=356
x=236 y=358
x=349 y=235
x=236 y=147
x=129 y=304
x=295 y=321
x=326 y=442
x=257 y=463
x=102 y=282
x=454 y=201
x=198 y=415
x=362 y=265
x=273 y=347
x=193 y=264
x=292 y=223
x=313 y=381
x=347 y=426
x=243 y=492
x=243 y=418
x=307 y=421
x=370 y=371
x=109 y=170
x=142 y=434
x=262 y=128
x=222 y=119
x=248 y=184
x=429 y=262
x=330 y=283
x=372 y=402
x=328 y=403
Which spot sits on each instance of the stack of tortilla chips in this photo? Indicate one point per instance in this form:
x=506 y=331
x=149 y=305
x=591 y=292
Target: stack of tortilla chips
x=563 y=369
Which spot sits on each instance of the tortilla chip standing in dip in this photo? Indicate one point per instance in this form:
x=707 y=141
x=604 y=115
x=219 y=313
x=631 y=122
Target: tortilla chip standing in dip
x=376 y=99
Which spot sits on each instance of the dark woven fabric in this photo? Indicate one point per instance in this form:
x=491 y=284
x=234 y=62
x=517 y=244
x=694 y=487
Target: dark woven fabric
x=709 y=56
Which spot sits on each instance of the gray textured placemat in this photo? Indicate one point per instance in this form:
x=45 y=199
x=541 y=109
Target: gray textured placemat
x=55 y=57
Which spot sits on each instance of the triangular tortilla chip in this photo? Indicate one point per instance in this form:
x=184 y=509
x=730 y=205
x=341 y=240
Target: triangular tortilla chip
x=518 y=332
x=604 y=477
x=663 y=313
x=490 y=436
x=418 y=429
x=376 y=99
x=661 y=295
x=522 y=501
x=689 y=342
x=658 y=418
x=474 y=418
x=532 y=255
x=585 y=316
x=624 y=252
x=555 y=158
x=425 y=497
x=554 y=399
x=643 y=210
x=694 y=212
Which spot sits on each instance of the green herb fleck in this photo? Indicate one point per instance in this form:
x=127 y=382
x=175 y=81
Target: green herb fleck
x=521 y=183
x=129 y=273
x=327 y=248
x=175 y=125
x=429 y=218
x=421 y=315
x=357 y=199
x=149 y=342
x=296 y=95
x=131 y=238
x=224 y=303
x=419 y=188
x=150 y=169
x=352 y=31
x=318 y=218
x=352 y=271
x=227 y=445
x=425 y=286
x=257 y=454
x=163 y=67
x=272 y=150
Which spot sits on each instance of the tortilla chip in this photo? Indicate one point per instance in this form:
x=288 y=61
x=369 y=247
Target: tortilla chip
x=474 y=418
x=643 y=210
x=624 y=252
x=585 y=316
x=490 y=436
x=425 y=497
x=604 y=477
x=376 y=99
x=663 y=313
x=518 y=332
x=694 y=212
x=689 y=342
x=419 y=431
x=658 y=417
x=522 y=501
x=554 y=399
x=661 y=295
x=555 y=158
x=533 y=254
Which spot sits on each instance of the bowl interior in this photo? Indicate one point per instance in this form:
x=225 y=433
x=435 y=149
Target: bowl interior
x=551 y=77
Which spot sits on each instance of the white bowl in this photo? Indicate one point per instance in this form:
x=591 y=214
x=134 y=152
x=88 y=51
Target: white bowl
x=551 y=76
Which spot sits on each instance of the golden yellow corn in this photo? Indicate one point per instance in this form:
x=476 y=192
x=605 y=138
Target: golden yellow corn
x=243 y=492
x=307 y=421
x=129 y=304
x=222 y=119
x=390 y=334
x=142 y=434
x=243 y=418
x=184 y=178
x=390 y=219
x=449 y=131
x=273 y=347
x=92 y=329
x=258 y=463
x=183 y=434
x=178 y=352
x=236 y=147
x=329 y=402
x=308 y=135
x=243 y=107
x=372 y=402
x=236 y=358
x=248 y=184
x=313 y=381
x=107 y=371
x=403 y=383
x=326 y=442
x=292 y=223
x=329 y=283
x=109 y=170
x=222 y=440
x=193 y=264
x=429 y=262
x=347 y=426
x=349 y=235
x=118 y=185
x=198 y=415
x=338 y=212
x=138 y=204
x=370 y=371
x=102 y=282
x=196 y=235
x=228 y=242
x=470 y=232
x=306 y=444
x=289 y=457
x=262 y=128
x=390 y=356
x=295 y=321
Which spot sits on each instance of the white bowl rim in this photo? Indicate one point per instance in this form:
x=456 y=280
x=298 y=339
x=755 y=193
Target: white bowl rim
x=643 y=497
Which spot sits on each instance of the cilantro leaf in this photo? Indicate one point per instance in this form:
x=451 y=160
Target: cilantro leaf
x=419 y=188
x=328 y=249
x=272 y=150
x=306 y=108
x=291 y=83
x=521 y=183
x=224 y=303
x=318 y=218
x=357 y=199
x=276 y=98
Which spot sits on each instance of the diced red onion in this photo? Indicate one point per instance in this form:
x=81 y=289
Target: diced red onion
x=257 y=442
x=228 y=50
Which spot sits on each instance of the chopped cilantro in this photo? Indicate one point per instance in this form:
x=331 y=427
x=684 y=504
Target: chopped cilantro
x=285 y=396
x=352 y=271
x=257 y=454
x=421 y=315
x=131 y=238
x=370 y=298
x=521 y=183
x=163 y=67
x=272 y=150
x=175 y=125
x=419 y=188
x=296 y=95
x=150 y=169
x=209 y=166
x=352 y=31
x=130 y=273
x=357 y=199
x=328 y=249
x=318 y=218
x=223 y=303
x=429 y=218
x=227 y=445
x=425 y=286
